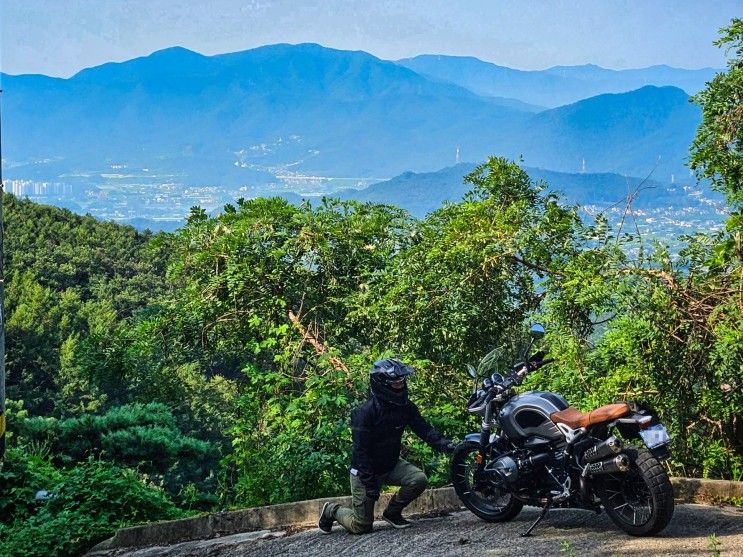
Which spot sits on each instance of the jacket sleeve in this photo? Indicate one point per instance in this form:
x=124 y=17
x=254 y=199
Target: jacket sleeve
x=361 y=433
x=426 y=431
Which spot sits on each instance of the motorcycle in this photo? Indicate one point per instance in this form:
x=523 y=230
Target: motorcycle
x=534 y=449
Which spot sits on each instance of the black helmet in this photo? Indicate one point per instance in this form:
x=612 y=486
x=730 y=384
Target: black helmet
x=388 y=381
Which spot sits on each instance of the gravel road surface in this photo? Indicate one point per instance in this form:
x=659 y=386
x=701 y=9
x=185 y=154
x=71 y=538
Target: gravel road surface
x=463 y=534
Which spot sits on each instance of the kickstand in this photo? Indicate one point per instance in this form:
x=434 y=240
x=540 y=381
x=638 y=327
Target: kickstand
x=539 y=519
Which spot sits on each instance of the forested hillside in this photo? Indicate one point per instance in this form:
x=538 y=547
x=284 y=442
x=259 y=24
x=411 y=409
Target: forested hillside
x=155 y=376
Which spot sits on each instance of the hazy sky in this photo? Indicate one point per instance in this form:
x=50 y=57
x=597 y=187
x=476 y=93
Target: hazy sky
x=60 y=37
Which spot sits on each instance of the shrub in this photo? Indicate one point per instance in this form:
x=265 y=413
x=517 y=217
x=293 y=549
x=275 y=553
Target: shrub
x=87 y=504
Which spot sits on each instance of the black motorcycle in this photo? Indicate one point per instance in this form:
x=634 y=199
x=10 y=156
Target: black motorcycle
x=534 y=449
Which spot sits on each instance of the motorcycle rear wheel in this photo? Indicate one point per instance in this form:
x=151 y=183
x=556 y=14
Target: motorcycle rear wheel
x=489 y=504
x=639 y=501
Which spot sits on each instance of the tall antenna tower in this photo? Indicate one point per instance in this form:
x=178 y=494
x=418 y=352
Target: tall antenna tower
x=456 y=157
x=583 y=166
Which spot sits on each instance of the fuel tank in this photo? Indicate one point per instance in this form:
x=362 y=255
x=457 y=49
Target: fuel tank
x=528 y=414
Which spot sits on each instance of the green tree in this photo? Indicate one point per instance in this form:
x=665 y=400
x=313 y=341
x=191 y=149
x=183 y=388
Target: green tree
x=69 y=277
x=717 y=150
x=145 y=437
x=471 y=273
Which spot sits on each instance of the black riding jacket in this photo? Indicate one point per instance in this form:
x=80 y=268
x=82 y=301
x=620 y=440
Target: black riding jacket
x=377 y=429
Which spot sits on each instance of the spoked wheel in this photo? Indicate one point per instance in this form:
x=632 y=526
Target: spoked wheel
x=482 y=498
x=639 y=501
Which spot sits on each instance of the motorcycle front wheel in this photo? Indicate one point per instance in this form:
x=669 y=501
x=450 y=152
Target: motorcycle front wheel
x=482 y=498
x=639 y=501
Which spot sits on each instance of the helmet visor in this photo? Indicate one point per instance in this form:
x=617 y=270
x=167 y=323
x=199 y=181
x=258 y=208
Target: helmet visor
x=397 y=383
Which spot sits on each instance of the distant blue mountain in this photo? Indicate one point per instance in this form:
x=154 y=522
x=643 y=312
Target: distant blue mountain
x=649 y=130
x=554 y=86
x=243 y=118
x=319 y=109
x=422 y=193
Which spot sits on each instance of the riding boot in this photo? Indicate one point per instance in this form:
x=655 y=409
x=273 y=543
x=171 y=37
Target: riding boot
x=394 y=507
x=393 y=513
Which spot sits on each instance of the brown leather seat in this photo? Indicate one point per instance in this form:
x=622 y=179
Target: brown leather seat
x=574 y=418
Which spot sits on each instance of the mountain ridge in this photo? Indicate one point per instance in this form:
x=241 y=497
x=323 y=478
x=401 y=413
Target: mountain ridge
x=556 y=85
x=421 y=193
x=244 y=117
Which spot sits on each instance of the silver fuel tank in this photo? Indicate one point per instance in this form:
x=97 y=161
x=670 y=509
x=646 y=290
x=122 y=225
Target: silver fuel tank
x=528 y=414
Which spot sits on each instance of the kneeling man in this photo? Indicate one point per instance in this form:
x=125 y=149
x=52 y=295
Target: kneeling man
x=377 y=427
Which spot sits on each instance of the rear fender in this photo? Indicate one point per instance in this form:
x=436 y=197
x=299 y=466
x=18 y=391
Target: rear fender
x=629 y=426
x=641 y=417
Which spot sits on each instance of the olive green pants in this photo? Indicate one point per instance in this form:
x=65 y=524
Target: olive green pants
x=359 y=519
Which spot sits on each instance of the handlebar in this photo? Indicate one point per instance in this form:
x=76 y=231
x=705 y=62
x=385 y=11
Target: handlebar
x=513 y=379
x=520 y=371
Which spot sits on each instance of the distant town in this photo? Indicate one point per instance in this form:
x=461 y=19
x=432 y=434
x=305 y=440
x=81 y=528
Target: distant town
x=160 y=202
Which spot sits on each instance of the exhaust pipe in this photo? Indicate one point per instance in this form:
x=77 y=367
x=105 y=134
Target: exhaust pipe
x=601 y=450
x=619 y=463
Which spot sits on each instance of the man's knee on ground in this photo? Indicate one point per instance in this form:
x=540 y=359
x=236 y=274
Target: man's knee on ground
x=419 y=481
x=358 y=527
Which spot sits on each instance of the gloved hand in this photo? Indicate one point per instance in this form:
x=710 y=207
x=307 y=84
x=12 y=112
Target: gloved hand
x=372 y=493
x=449 y=447
x=538 y=356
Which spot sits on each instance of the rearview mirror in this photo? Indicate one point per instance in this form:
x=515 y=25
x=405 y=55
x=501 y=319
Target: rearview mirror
x=471 y=371
x=537 y=331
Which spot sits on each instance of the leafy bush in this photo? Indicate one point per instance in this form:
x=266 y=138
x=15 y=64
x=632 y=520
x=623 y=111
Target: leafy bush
x=141 y=436
x=87 y=504
x=22 y=475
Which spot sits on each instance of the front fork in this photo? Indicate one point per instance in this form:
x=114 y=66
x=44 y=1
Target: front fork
x=484 y=440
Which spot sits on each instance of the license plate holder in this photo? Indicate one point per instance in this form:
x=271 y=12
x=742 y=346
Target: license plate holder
x=655 y=436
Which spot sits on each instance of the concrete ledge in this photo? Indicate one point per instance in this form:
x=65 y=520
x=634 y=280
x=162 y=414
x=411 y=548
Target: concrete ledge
x=300 y=513
x=696 y=490
x=305 y=513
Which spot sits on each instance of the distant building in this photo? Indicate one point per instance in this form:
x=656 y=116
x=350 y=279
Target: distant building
x=29 y=188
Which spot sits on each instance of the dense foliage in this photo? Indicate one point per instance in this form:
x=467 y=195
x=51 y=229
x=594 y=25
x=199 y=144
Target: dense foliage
x=83 y=506
x=69 y=277
x=217 y=366
x=717 y=150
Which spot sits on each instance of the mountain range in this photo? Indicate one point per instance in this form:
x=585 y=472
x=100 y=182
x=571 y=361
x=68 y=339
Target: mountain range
x=248 y=117
x=304 y=107
x=554 y=86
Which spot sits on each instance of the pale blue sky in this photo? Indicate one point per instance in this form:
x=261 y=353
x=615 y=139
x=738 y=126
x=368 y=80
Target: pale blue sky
x=60 y=37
